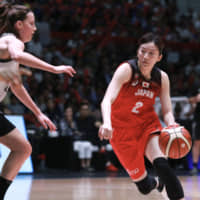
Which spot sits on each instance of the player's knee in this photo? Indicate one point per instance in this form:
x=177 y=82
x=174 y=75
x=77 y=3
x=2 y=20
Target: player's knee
x=27 y=148
x=146 y=185
x=23 y=150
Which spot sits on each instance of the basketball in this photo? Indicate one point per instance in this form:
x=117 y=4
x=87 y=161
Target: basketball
x=175 y=141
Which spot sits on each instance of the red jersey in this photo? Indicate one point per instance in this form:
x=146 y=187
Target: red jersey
x=134 y=104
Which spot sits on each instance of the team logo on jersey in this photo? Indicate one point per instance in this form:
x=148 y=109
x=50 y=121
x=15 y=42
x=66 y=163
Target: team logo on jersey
x=134 y=83
x=145 y=84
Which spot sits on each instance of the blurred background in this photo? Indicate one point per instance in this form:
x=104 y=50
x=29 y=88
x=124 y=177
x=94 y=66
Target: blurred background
x=95 y=37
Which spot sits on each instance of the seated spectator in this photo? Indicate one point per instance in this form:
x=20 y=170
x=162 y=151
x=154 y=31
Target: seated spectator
x=81 y=144
x=89 y=140
x=67 y=125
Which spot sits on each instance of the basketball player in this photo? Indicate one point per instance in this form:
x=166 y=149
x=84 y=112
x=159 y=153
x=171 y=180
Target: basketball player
x=132 y=125
x=17 y=26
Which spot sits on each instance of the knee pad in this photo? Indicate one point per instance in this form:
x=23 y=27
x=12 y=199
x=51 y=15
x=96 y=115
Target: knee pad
x=169 y=178
x=146 y=185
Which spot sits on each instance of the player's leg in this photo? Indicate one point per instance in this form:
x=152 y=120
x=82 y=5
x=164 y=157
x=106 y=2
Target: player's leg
x=146 y=183
x=163 y=170
x=196 y=149
x=131 y=156
x=20 y=150
x=196 y=152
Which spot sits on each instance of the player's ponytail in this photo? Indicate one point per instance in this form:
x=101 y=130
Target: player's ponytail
x=4 y=8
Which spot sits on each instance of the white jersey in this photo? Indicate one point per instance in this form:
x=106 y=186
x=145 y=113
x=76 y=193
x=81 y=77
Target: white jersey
x=9 y=64
x=4 y=86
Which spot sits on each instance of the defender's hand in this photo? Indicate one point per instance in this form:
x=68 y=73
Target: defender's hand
x=65 y=69
x=46 y=122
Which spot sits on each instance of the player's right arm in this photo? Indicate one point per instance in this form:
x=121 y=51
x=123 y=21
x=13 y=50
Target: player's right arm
x=121 y=76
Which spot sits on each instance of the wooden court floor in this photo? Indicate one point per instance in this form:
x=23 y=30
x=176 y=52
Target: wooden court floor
x=105 y=188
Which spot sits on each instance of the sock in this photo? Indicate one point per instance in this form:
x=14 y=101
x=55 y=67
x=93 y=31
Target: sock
x=4 y=184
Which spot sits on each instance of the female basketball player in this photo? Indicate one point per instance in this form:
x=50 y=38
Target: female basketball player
x=132 y=125
x=17 y=26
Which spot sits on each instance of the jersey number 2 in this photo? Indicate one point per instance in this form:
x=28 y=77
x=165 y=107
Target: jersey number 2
x=138 y=105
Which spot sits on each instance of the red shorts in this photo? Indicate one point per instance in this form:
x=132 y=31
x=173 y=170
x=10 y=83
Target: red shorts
x=129 y=145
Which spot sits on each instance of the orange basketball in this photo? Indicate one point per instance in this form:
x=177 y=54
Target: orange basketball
x=175 y=141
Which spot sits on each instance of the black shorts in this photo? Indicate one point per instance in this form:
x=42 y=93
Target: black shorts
x=196 y=135
x=5 y=125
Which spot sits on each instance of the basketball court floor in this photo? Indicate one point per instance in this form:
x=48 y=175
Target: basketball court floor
x=98 y=186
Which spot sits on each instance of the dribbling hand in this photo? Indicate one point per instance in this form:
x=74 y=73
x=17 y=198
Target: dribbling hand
x=105 y=132
x=65 y=69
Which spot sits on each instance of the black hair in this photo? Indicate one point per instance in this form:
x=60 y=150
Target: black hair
x=9 y=15
x=150 y=37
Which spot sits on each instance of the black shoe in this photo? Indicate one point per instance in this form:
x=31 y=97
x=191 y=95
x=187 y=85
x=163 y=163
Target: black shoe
x=160 y=185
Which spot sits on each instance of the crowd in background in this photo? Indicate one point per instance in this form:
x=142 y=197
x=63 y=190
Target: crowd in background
x=95 y=37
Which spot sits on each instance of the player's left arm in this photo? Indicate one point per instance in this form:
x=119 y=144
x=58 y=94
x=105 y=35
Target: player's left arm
x=165 y=100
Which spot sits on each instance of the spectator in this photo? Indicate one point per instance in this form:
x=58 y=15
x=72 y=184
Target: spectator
x=67 y=125
x=89 y=141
